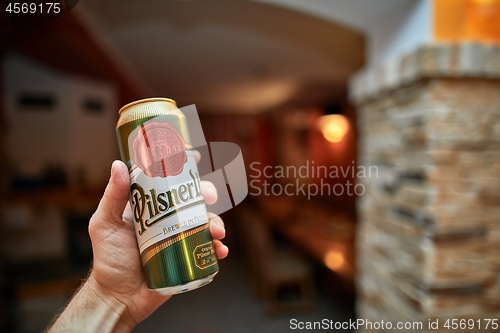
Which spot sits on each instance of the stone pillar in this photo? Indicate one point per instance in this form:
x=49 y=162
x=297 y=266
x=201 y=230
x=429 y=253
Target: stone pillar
x=429 y=223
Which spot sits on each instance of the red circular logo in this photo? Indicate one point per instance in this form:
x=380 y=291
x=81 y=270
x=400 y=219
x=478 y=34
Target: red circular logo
x=159 y=150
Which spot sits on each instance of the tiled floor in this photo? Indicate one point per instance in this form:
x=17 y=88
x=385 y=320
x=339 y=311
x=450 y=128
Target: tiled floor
x=227 y=305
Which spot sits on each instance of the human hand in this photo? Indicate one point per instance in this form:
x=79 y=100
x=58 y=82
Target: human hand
x=117 y=269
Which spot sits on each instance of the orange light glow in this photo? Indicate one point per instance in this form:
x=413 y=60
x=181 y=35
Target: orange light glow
x=334 y=260
x=334 y=127
x=466 y=20
x=485 y=2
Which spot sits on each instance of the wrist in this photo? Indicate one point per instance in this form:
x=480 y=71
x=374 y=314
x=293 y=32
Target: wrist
x=117 y=312
x=93 y=309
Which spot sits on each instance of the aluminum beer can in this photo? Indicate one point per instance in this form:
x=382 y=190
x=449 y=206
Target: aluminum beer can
x=169 y=212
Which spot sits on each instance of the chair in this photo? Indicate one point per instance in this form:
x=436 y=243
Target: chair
x=276 y=270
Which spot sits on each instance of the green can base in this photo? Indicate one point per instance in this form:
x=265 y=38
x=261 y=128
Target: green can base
x=182 y=288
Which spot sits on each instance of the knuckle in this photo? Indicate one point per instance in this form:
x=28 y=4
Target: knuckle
x=216 y=220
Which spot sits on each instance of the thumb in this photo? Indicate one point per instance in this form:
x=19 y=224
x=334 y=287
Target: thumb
x=115 y=196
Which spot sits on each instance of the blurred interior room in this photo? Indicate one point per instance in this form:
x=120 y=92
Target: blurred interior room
x=370 y=132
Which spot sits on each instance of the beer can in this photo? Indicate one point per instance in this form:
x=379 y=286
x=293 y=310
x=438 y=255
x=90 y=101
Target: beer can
x=169 y=213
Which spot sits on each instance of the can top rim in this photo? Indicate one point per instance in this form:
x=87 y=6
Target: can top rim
x=154 y=99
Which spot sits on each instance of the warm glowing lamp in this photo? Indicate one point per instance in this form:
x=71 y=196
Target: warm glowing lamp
x=485 y=2
x=334 y=127
x=334 y=260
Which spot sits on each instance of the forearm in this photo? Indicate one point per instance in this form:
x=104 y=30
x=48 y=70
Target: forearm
x=91 y=310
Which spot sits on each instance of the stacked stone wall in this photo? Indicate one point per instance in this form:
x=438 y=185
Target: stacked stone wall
x=429 y=231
